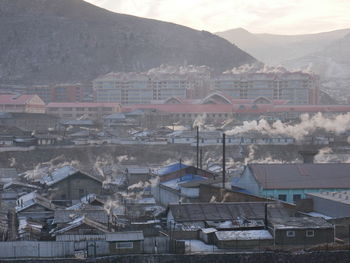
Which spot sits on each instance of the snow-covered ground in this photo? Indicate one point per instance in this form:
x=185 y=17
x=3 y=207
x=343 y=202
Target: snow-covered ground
x=194 y=246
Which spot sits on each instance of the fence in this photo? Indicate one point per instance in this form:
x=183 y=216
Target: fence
x=90 y=248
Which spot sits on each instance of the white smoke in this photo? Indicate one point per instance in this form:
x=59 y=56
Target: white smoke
x=200 y=121
x=307 y=125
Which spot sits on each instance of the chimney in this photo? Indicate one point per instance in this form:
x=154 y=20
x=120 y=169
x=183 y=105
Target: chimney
x=308 y=155
x=223 y=160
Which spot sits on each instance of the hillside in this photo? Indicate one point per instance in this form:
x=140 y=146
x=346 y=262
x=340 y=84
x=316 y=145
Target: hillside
x=275 y=49
x=50 y=41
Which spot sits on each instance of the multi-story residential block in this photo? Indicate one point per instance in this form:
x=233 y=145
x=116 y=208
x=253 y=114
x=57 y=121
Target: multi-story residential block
x=63 y=93
x=296 y=87
x=156 y=84
x=21 y=103
x=90 y=110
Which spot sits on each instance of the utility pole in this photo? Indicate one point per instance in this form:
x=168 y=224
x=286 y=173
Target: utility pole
x=197 y=148
x=223 y=160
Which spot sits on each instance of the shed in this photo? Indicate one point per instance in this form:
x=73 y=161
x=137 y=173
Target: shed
x=243 y=239
x=125 y=242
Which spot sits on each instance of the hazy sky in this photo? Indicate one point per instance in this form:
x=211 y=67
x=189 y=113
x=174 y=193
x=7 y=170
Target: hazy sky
x=258 y=16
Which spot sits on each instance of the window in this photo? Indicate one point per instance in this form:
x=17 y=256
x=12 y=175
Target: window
x=122 y=245
x=81 y=192
x=310 y=233
x=290 y=233
x=296 y=198
x=282 y=197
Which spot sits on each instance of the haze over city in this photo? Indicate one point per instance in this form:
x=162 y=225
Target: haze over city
x=257 y=16
x=161 y=131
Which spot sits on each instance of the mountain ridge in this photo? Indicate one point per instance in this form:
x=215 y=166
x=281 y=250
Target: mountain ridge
x=50 y=41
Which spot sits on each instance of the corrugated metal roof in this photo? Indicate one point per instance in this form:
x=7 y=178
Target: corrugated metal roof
x=224 y=211
x=125 y=236
x=171 y=168
x=302 y=176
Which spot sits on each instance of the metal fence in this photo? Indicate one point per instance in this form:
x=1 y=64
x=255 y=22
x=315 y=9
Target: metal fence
x=90 y=248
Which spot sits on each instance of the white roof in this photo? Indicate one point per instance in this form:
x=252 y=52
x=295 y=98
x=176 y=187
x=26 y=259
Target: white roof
x=243 y=235
x=59 y=175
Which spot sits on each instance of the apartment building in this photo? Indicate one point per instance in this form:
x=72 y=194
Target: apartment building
x=296 y=87
x=156 y=84
x=88 y=110
x=63 y=92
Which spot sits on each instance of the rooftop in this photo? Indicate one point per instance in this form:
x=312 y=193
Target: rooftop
x=170 y=168
x=243 y=235
x=302 y=176
x=225 y=211
x=341 y=196
x=300 y=223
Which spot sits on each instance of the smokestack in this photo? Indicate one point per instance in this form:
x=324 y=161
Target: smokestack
x=308 y=155
x=223 y=160
x=201 y=158
x=197 y=129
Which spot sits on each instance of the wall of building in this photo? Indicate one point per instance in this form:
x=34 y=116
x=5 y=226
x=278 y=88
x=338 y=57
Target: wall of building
x=74 y=187
x=329 y=207
x=321 y=236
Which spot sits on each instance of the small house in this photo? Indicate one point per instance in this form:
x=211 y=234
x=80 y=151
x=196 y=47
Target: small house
x=243 y=239
x=291 y=182
x=68 y=184
x=302 y=231
x=125 y=242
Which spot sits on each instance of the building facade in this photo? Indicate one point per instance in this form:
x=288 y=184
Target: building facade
x=90 y=110
x=63 y=92
x=156 y=84
x=296 y=87
x=21 y=103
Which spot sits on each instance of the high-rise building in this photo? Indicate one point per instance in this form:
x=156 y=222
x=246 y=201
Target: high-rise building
x=296 y=87
x=156 y=84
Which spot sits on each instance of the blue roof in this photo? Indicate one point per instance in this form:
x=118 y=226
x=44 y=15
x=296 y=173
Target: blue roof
x=171 y=168
x=191 y=177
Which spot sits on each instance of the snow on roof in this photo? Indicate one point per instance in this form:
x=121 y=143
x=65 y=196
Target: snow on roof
x=79 y=221
x=209 y=230
x=59 y=175
x=243 y=235
x=31 y=199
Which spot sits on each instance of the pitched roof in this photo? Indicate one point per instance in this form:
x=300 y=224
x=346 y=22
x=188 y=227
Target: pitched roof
x=81 y=221
x=171 y=168
x=14 y=99
x=224 y=211
x=302 y=176
x=97 y=214
x=31 y=199
x=63 y=173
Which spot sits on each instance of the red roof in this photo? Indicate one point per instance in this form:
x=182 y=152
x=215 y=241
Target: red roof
x=81 y=104
x=237 y=108
x=15 y=99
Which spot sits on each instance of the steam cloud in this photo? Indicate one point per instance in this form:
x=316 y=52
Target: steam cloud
x=307 y=125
